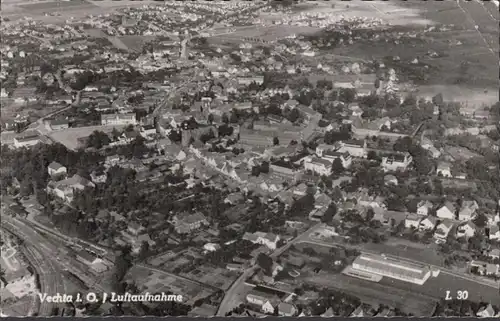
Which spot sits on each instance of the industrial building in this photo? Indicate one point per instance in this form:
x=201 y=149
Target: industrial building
x=392 y=268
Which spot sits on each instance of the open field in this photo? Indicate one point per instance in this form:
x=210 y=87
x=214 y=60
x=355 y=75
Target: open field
x=468 y=54
x=377 y=293
x=461 y=94
x=69 y=137
x=437 y=287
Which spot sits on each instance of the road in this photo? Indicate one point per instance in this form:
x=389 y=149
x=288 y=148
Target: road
x=237 y=286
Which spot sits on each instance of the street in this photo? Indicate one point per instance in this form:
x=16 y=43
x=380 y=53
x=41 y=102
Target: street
x=237 y=287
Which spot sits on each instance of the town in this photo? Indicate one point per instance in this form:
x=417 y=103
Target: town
x=235 y=155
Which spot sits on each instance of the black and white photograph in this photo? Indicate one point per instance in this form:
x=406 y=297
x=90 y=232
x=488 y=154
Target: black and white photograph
x=266 y=158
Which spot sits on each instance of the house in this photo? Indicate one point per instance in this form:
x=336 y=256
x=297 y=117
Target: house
x=322 y=200
x=390 y=180
x=444 y=169
x=468 y=210
x=65 y=189
x=234 y=198
x=188 y=223
x=494 y=254
x=396 y=162
x=268 y=239
x=59 y=124
x=27 y=140
x=286 y=309
x=56 y=170
x=428 y=223
x=358 y=312
x=328 y=313
x=86 y=258
x=118 y=119
x=98 y=177
x=318 y=165
x=423 y=207
x=211 y=247
x=447 y=211
x=265 y=300
x=486 y=311
x=495 y=233
x=135 y=228
x=344 y=157
x=466 y=230
x=412 y=221
x=442 y=231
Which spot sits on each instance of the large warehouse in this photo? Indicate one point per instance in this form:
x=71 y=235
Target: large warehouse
x=392 y=268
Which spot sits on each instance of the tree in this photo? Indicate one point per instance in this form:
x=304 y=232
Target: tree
x=266 y=263
x=329 y=213
x=337 y=166
x=210 y=118
x=276 y=141
x=144 y=250
x=225 y=119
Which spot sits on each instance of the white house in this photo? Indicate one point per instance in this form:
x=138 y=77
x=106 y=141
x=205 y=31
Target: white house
x=495 y=233
x=423 y=207
x=118 y=119
x=344 y=157
x=396 y=162
x=56 y=169
x=318 y=165
x=486 y=312
x=266 y=301
x=355 y=148
x=444 y=169
x=468 y=210
x=466 y=230
x=27 y=140
x=268 y=239
x=412 y=221
x=442 y=231
x=428 y=223
x=447 y=211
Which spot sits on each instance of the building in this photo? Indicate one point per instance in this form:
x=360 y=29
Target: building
x=189 y=223
x=65 y=189
x=344 y=157
x=468 y=210
x=466 y=230
x=447 y=211
x=428 y=223
x=423 y=207
x=86 y=258
x=355 y=148
x=259 y=80
x=284 y=172
x=443 y=169
x=27 y=140
x=486 y=311
x=442 y=231
x=265 y=300
x=56 y=170
x=396 y=162
x=319 y=166
x=59 y=124
x=412 y=221
x=494 y=233
x=392 y=268
x=118 y=119
x=286 y=309
x=268 y=239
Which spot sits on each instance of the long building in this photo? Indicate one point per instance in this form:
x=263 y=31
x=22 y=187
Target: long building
x=392 y=268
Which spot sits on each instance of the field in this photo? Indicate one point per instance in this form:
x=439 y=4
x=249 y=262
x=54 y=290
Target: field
x=377 y=293
x=155 y=282
x=437 y=287
x=69 y=137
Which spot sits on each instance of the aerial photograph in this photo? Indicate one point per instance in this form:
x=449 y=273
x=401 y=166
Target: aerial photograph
x=257 y=158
